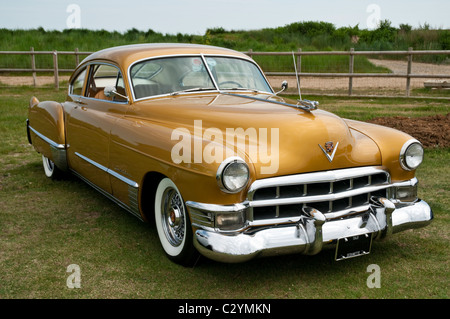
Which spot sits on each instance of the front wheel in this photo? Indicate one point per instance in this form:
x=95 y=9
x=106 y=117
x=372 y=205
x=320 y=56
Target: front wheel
x=173 y=224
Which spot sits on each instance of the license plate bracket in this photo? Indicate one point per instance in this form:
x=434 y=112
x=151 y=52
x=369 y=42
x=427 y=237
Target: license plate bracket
x=353 y=246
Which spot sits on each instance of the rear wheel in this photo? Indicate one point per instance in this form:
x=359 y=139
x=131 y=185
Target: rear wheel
x=50 y=169
x=173 y=224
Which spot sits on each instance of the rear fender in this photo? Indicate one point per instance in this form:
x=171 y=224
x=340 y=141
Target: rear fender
x=46 y=132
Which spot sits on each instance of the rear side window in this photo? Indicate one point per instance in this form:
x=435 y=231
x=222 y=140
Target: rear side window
x=76 y=87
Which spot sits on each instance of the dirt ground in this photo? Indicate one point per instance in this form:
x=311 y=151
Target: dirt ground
x=431 y=131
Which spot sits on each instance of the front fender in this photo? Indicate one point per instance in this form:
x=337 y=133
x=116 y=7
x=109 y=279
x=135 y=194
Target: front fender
x=46 y=132
x=390 y=141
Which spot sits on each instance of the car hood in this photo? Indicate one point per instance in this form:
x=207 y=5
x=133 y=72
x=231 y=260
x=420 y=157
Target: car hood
x=277 y=139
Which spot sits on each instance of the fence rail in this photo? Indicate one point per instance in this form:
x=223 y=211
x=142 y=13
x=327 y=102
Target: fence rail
x=408 y=75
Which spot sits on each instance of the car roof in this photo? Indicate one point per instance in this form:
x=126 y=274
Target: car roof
x=127 y=54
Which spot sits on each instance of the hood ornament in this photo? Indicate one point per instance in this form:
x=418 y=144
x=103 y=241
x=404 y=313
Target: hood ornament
x=329 y=150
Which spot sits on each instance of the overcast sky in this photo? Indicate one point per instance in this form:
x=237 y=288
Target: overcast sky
x=195 y=16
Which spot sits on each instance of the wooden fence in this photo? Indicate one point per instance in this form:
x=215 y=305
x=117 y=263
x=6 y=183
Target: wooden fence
x=55 y=70
x=408 y=75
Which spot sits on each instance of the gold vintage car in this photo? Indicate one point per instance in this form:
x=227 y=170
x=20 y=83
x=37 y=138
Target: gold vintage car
x=194 y=138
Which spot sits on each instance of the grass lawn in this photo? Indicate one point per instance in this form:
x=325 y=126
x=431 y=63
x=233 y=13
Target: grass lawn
x=46 y=225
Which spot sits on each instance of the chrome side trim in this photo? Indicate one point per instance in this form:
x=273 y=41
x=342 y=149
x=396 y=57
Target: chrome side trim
x=122 y=178
x=132 y=209
x=59 y=154
x=46 y=139
x=100 y=166
x=109 y=171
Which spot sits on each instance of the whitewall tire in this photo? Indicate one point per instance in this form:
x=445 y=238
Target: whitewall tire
x=173 y=224
x=50 y=169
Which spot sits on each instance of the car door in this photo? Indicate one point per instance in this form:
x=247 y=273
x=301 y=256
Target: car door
x=90 y=116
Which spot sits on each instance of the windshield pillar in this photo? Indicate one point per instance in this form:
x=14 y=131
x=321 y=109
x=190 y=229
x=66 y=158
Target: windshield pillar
x=213 y=79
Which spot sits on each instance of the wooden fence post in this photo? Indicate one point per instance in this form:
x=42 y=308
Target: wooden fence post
x=33 y=65
x=350 y=70
x=408 y=72
x=77 y=57
x=299 y=68
x=55 y=69
x=299 y=61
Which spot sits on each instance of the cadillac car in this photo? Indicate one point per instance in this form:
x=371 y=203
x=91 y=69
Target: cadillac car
x=194 y=139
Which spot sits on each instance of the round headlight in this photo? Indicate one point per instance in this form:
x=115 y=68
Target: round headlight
x=411 y=155
x=232 y=175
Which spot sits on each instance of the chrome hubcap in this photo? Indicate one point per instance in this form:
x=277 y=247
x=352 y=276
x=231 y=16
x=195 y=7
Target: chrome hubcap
x=173 y=219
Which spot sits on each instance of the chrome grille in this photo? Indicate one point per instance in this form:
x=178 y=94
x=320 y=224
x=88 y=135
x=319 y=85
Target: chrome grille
x=335 y=193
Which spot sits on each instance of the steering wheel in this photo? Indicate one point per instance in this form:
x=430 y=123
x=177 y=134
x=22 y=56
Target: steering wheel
x=238 y=85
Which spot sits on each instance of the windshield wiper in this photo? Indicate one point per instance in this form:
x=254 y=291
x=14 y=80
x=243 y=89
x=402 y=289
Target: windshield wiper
x=242 y=89
x=191 y=90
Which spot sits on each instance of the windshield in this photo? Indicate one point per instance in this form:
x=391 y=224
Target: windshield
x=175 y=75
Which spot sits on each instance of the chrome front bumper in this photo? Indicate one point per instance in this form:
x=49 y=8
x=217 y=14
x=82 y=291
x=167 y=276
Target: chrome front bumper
x=310 y=233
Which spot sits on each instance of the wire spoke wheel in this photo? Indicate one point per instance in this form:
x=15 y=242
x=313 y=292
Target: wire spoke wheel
x=173 y=220
x=173 y=224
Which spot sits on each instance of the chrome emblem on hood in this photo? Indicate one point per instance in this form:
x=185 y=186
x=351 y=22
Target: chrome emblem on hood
x=329 y=148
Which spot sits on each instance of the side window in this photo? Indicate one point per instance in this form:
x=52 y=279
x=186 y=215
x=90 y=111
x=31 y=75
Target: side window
x=77 y=83
x=101 y=76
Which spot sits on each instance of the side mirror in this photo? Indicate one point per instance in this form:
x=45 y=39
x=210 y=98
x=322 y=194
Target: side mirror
x=284 y=86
